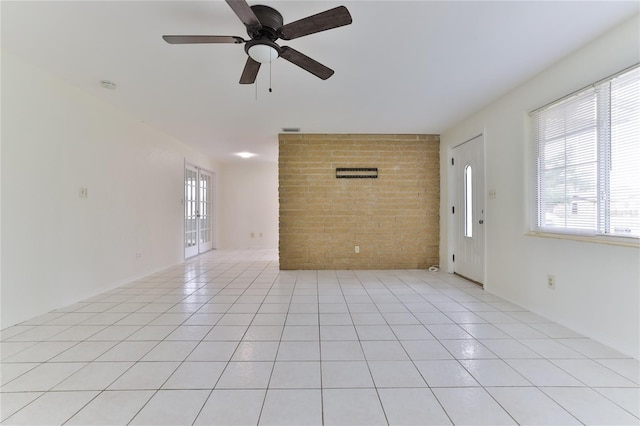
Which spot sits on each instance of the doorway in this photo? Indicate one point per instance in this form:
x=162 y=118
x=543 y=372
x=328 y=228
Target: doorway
x=468 y=209
x=198 y=211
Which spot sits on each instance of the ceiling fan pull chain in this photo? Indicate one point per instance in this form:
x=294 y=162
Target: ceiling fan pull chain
x=270 y=77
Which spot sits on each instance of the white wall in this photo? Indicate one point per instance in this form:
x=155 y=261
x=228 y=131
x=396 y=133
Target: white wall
x=597 y=285
x=248 y=205
x=57 y=248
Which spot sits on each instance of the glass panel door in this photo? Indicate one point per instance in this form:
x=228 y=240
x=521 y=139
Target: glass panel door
x=190 y=211
x=205 y=242
x=198 y=211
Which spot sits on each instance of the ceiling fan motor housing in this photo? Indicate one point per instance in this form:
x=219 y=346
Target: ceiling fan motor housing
x=271 y=21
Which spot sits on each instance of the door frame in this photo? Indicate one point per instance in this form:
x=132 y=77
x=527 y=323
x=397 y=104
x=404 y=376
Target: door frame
x=452 y=196
x=212 y=211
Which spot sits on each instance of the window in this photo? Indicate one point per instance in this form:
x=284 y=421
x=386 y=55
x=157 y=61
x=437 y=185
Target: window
x=588 y=160
x=468 y=201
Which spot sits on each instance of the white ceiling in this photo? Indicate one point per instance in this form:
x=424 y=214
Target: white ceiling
x=401 y=67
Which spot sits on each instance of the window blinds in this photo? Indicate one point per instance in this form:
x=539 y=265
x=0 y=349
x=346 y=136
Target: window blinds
x=624 y=156
x=587 y=150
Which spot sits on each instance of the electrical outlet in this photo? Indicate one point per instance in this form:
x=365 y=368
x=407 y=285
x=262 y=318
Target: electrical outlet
x=551 y=282
x=138 y=255
x=357 y=249
x=83 y=193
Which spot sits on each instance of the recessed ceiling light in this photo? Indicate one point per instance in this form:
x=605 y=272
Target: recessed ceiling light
x=108 y=84
x=245 y=154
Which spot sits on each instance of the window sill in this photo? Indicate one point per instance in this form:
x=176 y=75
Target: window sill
x=598 y=239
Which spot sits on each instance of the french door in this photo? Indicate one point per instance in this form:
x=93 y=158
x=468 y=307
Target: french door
x=198 y=211
x=468 y=209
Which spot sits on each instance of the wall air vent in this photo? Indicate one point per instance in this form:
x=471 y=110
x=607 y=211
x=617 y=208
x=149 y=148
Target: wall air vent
x=291 y=130
x=356 y=173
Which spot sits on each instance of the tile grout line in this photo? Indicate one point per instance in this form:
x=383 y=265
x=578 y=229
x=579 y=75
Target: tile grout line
x=387 y=280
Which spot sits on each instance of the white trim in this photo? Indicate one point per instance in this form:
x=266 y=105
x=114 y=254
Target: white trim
x=182 y=214
x=214 y=210
x=452 y=229
x=598 y=239
x=468 y=140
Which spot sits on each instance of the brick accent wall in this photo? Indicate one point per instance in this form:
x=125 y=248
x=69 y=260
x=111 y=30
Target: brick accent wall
x=394 y=219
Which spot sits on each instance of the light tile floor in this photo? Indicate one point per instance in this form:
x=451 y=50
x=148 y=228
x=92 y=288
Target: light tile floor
x=227 y=338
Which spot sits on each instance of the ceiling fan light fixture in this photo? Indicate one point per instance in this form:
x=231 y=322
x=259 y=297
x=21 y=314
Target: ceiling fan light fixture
x=262 y=52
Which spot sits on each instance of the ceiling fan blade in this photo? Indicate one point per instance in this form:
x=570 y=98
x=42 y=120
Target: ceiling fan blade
x=250 y=71
x=332 y=18
x=244 y=12
x=306 y=63
x=191 y=39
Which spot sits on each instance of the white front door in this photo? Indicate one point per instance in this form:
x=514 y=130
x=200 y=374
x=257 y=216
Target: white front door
x=198 y=209
x=468 y=209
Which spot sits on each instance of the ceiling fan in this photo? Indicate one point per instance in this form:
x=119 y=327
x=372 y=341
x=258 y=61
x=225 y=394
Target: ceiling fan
x=265 y=26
